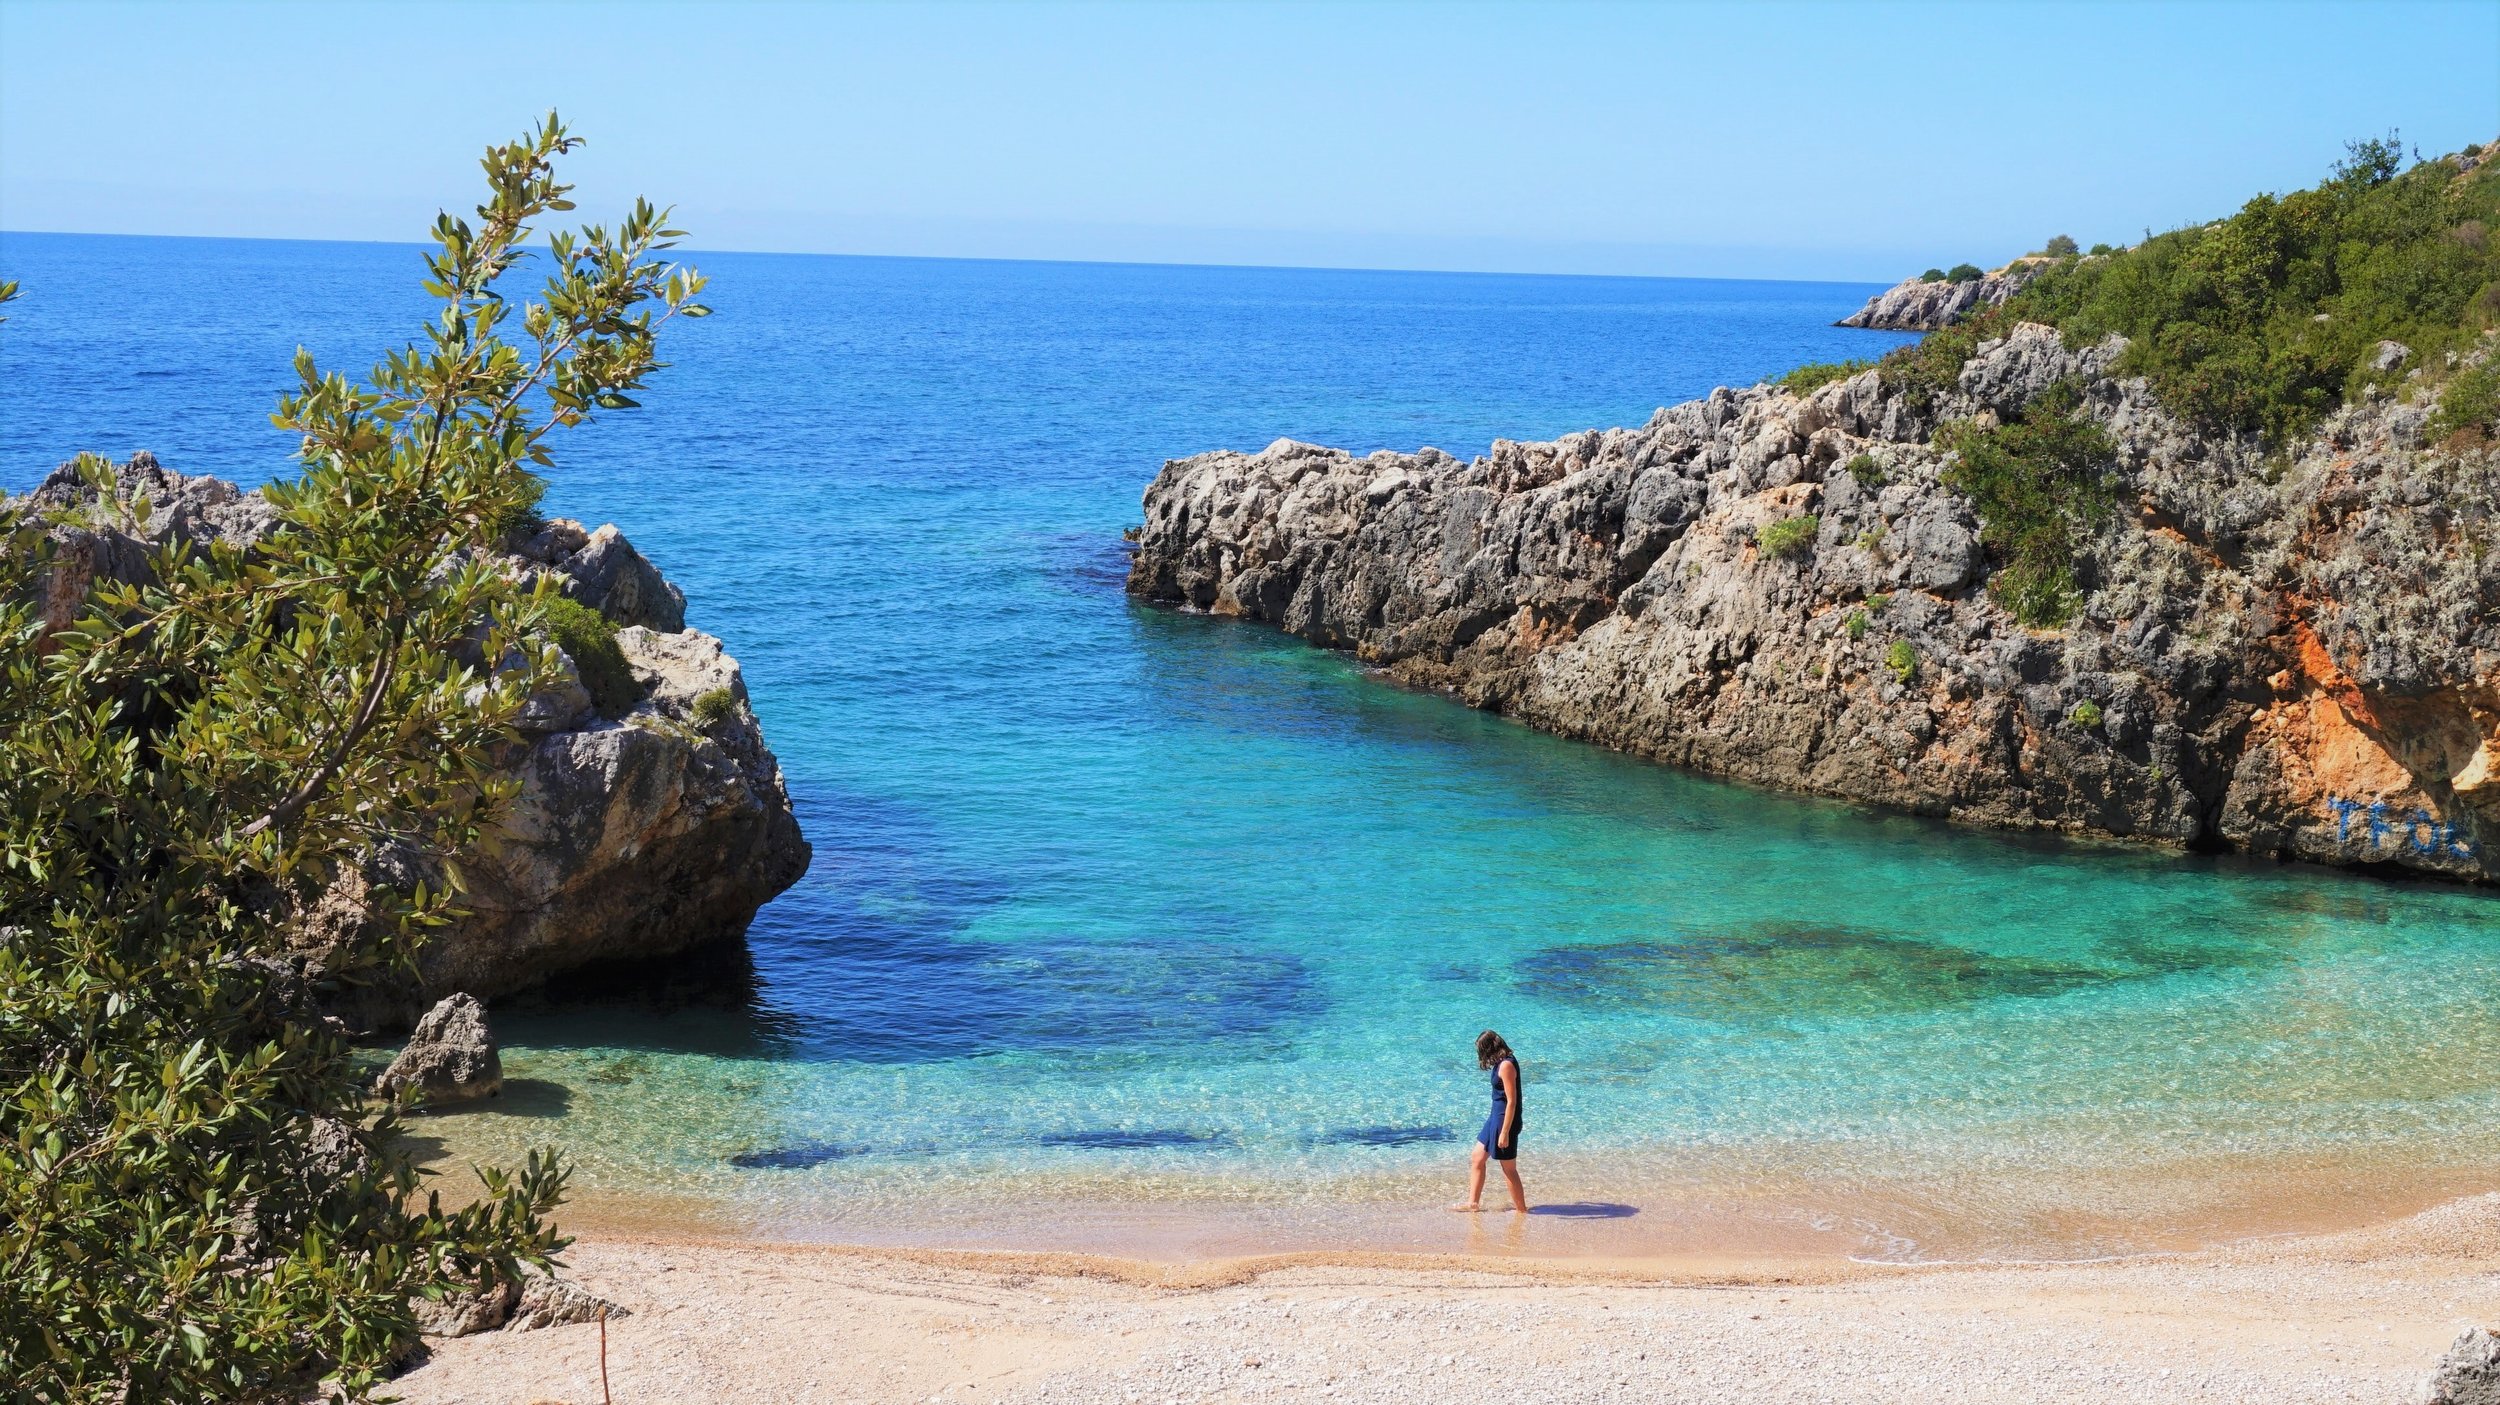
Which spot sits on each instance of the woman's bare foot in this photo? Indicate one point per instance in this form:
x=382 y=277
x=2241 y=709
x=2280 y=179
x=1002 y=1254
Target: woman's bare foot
x=1467 y=1209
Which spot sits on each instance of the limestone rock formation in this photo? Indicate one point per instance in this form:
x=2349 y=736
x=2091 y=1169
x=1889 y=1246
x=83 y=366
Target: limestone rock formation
x=635 y=835
x=2290 y=657
x=1916 y=305
x=2469 y=1374
x=450 y=1057
x=533 y=1301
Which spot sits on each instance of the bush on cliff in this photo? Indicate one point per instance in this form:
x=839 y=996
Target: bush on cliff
x=588 y=638
x=1814 y=375
x=2040 y=480
x=1789 y=537
x=2266 y=321
x=2470 y=403
x=197 y=1200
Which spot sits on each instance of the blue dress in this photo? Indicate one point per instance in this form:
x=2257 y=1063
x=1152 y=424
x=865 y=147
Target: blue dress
x=1491 y=1136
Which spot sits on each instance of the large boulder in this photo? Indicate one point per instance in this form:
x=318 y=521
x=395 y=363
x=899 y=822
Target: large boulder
x=450 y=1057
x=2469 y=1374
x=650 y=828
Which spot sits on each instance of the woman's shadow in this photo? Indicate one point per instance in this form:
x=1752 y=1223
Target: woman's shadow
x=1586 y=1210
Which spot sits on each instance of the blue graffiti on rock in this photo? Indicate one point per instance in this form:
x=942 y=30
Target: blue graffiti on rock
x=2380 y=828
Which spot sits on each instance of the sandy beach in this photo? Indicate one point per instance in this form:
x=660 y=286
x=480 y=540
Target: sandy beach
x=2354 y=1316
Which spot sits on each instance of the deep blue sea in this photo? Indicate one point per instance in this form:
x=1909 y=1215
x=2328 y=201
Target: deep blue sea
x=1126 y=922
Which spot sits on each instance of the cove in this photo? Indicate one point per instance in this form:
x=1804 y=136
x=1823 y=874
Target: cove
x=1114 y=903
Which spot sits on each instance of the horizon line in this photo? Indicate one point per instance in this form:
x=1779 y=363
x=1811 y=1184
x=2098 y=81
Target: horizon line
x=996 y=258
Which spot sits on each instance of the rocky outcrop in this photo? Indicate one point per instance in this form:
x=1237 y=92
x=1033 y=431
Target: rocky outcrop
x=1920 y=305
x=634 y=835
x=2290 y=657
x=450 y=1057
x=2469 y=1374
x=533 y=1301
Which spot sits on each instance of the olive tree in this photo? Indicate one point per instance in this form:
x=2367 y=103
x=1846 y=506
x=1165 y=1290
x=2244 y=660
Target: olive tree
x=198 y=1200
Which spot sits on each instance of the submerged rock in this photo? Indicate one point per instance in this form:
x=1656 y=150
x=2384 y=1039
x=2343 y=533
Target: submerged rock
x=450 y=1058
x=634 y=835
x=2294 y=655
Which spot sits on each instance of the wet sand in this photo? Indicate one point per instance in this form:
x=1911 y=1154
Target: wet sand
x=2356 y=1315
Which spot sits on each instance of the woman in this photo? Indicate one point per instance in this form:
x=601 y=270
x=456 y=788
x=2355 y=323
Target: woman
x=1500 y=1138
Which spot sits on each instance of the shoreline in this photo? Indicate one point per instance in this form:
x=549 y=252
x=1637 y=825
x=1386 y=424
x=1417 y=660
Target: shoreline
x=2350 y=1315
x=1585 y=1211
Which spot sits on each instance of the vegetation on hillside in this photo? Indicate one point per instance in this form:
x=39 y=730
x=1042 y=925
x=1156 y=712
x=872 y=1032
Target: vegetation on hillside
x=2040 y=480
x=1814 y=375
x=2265 y=321
x=197 y=1199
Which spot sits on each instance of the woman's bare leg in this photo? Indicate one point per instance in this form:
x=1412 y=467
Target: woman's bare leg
x=1518 y=1192
x=1475 y=1182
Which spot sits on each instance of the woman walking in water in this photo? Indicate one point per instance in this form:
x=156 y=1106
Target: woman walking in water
x=1500 y=1138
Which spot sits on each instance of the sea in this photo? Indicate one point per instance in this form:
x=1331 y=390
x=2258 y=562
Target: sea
x=1162 y=933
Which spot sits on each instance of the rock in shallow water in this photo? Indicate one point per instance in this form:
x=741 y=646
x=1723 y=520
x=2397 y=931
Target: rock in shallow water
x=451 y=1058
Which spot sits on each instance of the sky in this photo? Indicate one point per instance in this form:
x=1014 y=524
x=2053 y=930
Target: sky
x=1800 y=140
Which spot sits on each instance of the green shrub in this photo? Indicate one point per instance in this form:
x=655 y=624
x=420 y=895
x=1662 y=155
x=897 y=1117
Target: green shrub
x=520 y=515
x=1965 y=273
x=2039 y=480
x=1867 y=469
x=1902 y=660
x=2087 y=714
x=1877 y=602
x=1813 y=376
x=199 y=1198
x=2101 y=250
x=2060 y=246
x=2470 y=403
x=589 y=639
x=2265 y=321
x=1790 y=537
x=1856 y=625
x=1933 y=275
x=712 y=708
x=1923 y=370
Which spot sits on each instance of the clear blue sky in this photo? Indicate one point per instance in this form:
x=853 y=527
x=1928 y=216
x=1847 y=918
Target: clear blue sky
x=1775 y=140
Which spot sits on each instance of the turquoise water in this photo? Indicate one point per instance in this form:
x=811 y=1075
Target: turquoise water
x=1159 y=920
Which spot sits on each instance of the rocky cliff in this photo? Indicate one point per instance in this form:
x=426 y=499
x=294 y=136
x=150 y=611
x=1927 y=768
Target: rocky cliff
x=1923 y=305
x=2294 y=655
x=637 y=833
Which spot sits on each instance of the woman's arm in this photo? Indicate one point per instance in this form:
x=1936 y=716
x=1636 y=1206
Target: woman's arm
x=1510 y=1099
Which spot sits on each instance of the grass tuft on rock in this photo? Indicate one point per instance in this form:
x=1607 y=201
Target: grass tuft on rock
x=1790 y=537
x=589 y=639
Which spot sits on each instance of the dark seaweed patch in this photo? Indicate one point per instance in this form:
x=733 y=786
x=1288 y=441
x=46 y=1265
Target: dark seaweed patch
x=1783 y=971
x=1385 y=1136
x=796 y=1157
x=1121 y=1139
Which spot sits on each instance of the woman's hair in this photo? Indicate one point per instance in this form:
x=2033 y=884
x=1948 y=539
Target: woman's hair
x=1491 y=1050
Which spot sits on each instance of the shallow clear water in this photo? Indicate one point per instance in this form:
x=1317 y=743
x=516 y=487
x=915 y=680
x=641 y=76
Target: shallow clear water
x=1119 y=907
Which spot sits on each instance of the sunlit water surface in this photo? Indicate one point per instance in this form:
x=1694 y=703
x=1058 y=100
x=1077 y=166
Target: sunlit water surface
x=1128 y=927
